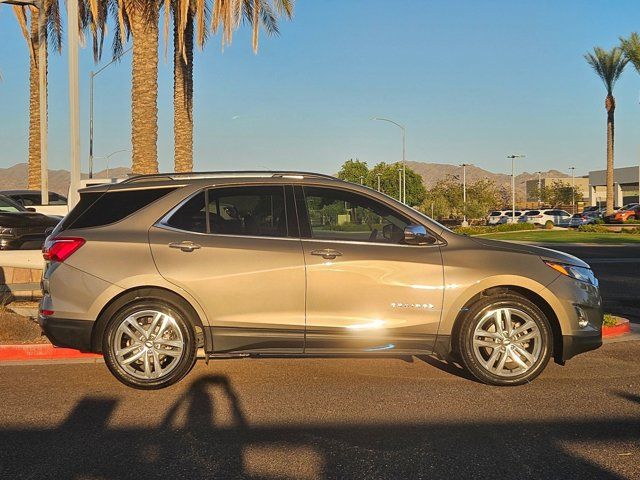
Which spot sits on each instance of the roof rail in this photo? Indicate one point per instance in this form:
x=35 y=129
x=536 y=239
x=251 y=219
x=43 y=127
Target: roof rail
x=223 y=174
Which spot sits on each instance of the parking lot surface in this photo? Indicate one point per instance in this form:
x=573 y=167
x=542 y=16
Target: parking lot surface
x=325 y=418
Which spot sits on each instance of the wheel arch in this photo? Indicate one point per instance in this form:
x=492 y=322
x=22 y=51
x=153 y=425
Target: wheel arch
x=132 y=294
x=530 y=295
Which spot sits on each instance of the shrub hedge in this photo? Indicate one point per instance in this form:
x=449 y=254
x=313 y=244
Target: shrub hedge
x=505 y=227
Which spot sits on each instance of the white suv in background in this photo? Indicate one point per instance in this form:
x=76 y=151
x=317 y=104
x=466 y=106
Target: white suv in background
x=494 y=217
x=541 y=217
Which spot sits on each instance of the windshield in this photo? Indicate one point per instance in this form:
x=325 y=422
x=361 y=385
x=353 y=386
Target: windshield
x=8 y=206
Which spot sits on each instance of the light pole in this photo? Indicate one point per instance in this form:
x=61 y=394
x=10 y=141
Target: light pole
x=107 y=157
x=42 y=88
x=513 y=184
x=378 y=175
x=400 y=184
x=361 y=180
x=464 y=193
x=573 y=191
x=539 y=188
x=74 y=101
x=403 y=187
x=92 y=75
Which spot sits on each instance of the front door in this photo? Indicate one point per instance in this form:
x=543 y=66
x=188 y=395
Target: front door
x=239 y=257
x=367 y=291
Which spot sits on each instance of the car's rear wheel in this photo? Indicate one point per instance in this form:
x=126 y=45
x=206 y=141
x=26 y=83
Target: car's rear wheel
x=149 y=344
x=505 y=340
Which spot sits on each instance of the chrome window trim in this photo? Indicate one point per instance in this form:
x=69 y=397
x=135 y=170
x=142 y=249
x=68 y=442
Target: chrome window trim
x=375 y=244
x=162 y=223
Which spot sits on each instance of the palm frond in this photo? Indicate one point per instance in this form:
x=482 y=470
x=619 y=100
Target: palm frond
x=608 y=65
x=631 y=48
x=21 y=16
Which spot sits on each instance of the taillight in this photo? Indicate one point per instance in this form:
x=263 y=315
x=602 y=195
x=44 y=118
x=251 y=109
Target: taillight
x=59 y=249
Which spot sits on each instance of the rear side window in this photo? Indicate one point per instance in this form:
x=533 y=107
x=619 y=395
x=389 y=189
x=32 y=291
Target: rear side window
x=533 y=212
x=97 y=209
x=251 y=211
x=495 y=214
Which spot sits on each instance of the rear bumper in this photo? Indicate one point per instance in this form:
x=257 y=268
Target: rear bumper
x=573 y=345
x=68 y=333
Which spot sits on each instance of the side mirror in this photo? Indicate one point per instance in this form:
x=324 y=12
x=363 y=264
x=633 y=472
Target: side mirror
x=417 y=235
x=30 y=209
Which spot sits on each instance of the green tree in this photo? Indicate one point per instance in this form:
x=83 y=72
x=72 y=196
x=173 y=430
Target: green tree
x=352 y=170
x=631 y=48
x=390 y=182
x=562 y=193
x=445 y=199
x=608 y=65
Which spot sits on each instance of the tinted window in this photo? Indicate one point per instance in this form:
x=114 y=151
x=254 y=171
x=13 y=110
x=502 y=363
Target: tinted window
x=340 y=215
x=8 y=206
x=102 y=208
x=55 y=199
x=495 y=214
x=190 y=216
x=532 y=212
x=255 y=211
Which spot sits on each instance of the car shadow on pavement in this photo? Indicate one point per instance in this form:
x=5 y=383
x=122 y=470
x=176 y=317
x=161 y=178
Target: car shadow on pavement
x=186 y=442
x=448 y=367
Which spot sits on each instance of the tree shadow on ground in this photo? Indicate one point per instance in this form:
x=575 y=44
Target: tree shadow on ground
x=188 y=443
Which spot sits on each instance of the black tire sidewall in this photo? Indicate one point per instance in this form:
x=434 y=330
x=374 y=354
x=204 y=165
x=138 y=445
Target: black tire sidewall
x=188 y=332
x=473 y=316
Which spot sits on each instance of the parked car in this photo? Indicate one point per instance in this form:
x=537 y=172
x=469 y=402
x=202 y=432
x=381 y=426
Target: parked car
x=33 y=198
x=494 y=217
x=508 y=217
x=541 y=217
x=629 y=213
x=584 y=218
x=287 y=263
x=612 y=218
x=22 y=228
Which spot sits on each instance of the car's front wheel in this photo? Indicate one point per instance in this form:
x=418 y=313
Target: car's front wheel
x=505 y=339
x=149 y=344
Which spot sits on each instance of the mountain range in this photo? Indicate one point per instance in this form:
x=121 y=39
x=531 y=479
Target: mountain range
x=15 y=177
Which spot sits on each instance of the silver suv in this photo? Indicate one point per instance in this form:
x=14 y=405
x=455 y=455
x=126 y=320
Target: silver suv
x=286 y=263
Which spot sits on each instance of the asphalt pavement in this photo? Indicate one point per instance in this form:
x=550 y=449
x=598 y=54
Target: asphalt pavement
x=618 y=271
x=325 y=418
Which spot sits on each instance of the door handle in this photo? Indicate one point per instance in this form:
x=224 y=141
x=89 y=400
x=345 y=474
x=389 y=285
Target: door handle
x=327 y=253
x=185 y=246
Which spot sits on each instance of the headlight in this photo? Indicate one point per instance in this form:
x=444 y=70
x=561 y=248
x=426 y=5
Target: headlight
x=579 y=273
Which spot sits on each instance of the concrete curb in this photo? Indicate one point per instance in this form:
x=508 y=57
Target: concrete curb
x=45 y=351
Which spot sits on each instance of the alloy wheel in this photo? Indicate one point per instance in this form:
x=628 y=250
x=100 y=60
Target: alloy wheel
x=148 y=344
x=507 y=342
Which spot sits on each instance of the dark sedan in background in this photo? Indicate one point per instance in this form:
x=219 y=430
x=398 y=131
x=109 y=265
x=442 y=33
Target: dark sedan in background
x=22 y=228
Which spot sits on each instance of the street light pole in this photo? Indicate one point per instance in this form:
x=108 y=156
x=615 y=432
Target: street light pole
x=573 y=191
x=403 y=187
x=378 y=175
x=539 y=188
x=400 y=184
x=513 y=185
x=92 y=75
x=74 y=101
x=464 y=193
x=361 y=180
x=107 y=157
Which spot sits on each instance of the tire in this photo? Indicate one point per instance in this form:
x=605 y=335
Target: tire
x=149 y=358
x=530 y=333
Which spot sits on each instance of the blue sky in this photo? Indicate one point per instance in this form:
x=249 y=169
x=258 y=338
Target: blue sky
x=472 y=81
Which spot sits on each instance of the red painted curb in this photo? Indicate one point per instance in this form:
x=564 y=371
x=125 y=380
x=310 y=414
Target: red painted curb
x=623 y=326
x=19 y=353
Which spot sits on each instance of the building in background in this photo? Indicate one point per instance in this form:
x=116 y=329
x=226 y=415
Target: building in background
x=625 y=186
x=531 y=187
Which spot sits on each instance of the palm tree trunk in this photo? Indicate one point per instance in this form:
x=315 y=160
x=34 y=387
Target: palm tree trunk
x=610 y=105
x=183 y=98
x=144 y=91
x=33 y=167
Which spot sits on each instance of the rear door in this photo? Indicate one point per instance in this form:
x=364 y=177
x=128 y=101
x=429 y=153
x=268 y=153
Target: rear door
x=241 y=257
x=366 y=290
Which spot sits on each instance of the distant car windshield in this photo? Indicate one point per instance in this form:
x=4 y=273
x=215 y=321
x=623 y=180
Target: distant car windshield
x=495 y=214
x=8 y=206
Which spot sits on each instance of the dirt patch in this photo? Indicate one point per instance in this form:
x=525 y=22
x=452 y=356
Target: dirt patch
x=15 y=329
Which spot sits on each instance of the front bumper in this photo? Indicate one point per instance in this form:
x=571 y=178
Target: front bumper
x=573 y=345
x=68 y=333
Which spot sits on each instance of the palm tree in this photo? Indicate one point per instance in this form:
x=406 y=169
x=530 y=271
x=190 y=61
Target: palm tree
x=609 y=65
x=139 y=19
x=29 y=20
x=631 y=48
x=227 y=15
